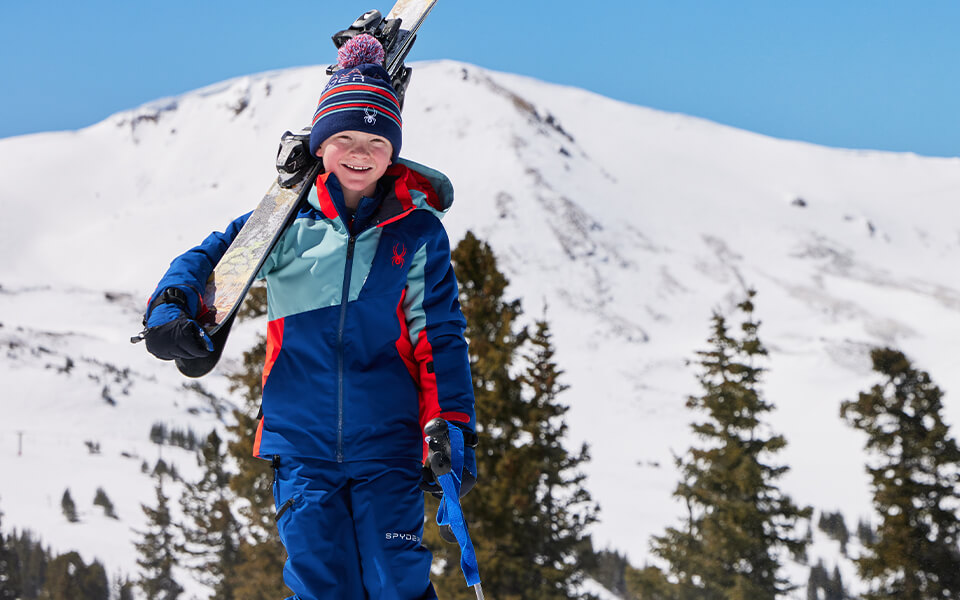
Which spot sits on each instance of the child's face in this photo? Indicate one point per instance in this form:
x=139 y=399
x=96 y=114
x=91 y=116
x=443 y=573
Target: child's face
x=358 y=159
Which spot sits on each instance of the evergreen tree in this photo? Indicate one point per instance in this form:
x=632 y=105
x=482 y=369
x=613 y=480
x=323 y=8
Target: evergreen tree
x=528 y=523
x=259 y=573
x=160 y=469
x=11 y=584
x=123 y=588
x=101 y=500
x=212 y=532
x=915 y=477
x=834 y=589
x=865 y=533
x=823 y=586
x=738 y=521
x=158 y=550
x=649 y=583
x=158 y=434
x=801 y=556
x=33 y=558
x=835 y=526
x=609 y=569
x=564 y=508
x=69 y=578
x=163 y=469
x=69 y=507
x=817 y=581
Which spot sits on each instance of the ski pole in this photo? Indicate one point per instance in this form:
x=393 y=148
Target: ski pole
x=479 y=590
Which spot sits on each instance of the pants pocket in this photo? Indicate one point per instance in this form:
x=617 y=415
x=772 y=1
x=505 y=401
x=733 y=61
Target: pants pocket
x=285 y=507
x=282 y=504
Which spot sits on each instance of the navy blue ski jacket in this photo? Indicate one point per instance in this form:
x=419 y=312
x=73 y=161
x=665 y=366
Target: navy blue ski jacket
x=365 y=339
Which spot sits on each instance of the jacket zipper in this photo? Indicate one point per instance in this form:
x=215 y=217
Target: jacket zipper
x=344 y=298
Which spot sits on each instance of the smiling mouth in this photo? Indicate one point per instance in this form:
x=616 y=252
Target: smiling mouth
x=358 y=169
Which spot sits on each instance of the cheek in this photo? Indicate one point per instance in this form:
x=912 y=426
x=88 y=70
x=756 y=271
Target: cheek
x=330 y=153
x=384 y=155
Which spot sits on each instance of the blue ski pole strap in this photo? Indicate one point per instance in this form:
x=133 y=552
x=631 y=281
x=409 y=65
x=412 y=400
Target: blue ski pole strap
x=450 y=512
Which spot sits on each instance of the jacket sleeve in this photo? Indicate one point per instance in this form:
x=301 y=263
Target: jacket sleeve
x=189 y=271
x=436 y=325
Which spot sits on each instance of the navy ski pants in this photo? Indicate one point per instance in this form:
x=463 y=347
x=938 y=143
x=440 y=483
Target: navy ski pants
x=352 y=530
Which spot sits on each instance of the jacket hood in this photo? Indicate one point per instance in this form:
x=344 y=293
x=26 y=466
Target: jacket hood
x=442 y=198
x=408 y=186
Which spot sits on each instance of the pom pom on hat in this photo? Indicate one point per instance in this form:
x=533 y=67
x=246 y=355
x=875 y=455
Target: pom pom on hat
x=361 y=50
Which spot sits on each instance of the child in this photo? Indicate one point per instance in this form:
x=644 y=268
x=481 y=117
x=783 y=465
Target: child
x=365 y=347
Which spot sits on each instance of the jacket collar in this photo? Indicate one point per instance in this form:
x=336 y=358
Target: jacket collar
x=400 y=191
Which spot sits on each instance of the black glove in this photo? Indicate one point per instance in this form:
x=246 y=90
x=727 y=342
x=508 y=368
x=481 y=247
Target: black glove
x=439 y=461
x=170 y=333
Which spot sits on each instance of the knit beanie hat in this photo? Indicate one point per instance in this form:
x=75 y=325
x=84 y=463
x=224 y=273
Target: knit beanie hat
x=358 y=97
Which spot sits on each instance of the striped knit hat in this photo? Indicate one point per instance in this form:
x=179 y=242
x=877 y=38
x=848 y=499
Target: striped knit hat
x=358 y=97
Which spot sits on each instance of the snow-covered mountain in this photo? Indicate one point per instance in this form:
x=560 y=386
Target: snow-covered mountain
x=628 y=226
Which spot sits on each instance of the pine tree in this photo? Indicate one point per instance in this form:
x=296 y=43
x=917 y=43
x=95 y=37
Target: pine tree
x=34 y=559
x=158 y=434
x=160 y=469
x=738 y=521
x=212 y=532
x=259 y=573
x=123 y=588
x=69 y=507
x=817 y=581
x=11 y=584
x=915 y=477
x=529 y=516
x=609 y=569
x=835 y=526
x=650 y=583
x=158 y=550
x=101 y=500
x=564 y=508
x=69 y=578
x=865 y=533
x=834 y=589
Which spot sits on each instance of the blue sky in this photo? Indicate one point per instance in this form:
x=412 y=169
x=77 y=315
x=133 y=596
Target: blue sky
x=852 y=73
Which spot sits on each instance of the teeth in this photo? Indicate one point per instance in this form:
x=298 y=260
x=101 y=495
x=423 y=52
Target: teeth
x=353 y=168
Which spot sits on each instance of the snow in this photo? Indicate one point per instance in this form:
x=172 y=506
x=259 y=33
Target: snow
x=628 y=226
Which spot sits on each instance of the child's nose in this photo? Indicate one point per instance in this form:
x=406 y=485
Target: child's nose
x=362 y=149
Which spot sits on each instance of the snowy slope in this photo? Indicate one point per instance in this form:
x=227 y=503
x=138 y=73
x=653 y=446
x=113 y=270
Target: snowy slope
x=629 y=225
